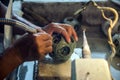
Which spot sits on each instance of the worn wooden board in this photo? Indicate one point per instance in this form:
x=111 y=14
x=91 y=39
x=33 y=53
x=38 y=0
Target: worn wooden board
x=51 y=71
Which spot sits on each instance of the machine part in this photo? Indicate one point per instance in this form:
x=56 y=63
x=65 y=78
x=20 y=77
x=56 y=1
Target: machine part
x=72 y=21
x=62 y=50
x=116 y=41
x=86 y=53
x=8 y=28
x=19 y=24
x=116 y=62
x=106 y=25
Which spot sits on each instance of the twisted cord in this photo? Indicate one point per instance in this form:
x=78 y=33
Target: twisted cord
x=112 y=25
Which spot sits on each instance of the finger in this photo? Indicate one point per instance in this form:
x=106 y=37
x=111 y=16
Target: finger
x=74 y=35
x=62 y=31
x=70 y=30
x=46 y=37
x=48 y=43
x=66 y=35
x=43 y=36
x=49 y=49
x=56 y=27
x=46 y=50
x=44 y=44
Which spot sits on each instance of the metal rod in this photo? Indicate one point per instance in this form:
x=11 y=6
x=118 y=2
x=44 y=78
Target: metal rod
x=86 y=53
x=7 y=28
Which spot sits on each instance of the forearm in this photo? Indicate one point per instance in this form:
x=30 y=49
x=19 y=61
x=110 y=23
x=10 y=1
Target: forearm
x=8 y=62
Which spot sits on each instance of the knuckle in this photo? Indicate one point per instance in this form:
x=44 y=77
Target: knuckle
x=51 y=49
x=52 y=24
x=50 y=42
x=41 y=51
x=63 y=30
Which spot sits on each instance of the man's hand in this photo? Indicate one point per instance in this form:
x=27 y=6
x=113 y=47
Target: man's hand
x=33 y=46
x=66 y=30
x=28 y=47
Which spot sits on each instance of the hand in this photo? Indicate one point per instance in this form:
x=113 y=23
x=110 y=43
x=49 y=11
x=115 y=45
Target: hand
x=33 y=46
x=66 y=30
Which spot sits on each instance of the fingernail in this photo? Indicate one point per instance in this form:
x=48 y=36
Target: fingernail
x=76 y=38
x=69 y=41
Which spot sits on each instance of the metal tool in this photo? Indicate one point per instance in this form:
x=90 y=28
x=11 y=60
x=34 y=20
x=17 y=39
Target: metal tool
x=7 y=28
x=15 y=23
x=86 y=53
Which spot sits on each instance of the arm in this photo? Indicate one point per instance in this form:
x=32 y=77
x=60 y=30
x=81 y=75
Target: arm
x=32 y=47
x=8 y=62
x=27 y=48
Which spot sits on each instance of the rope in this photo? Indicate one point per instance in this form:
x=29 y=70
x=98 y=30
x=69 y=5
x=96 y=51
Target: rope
x=112 y=25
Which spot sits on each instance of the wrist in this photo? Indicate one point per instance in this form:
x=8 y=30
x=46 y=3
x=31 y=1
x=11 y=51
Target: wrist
x=25 y=47
x=8 y=62
x=12 y=53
